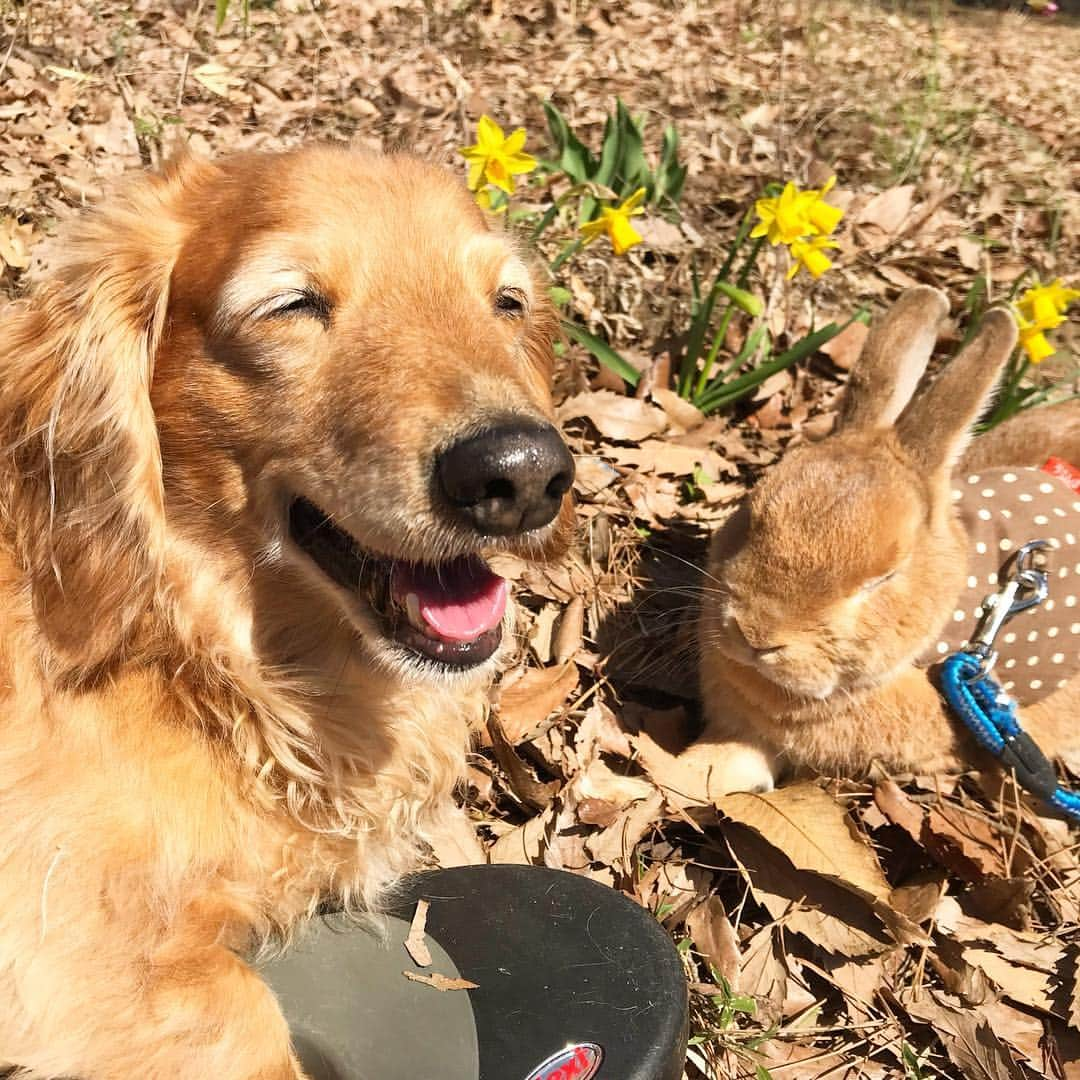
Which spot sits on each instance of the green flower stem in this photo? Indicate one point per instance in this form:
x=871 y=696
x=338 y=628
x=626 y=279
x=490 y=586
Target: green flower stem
x=700 y=324
x=751 y=260
x=741 y=281
x=549 y=216
x=722 y=394
x=706 y=368
x=567 y=252
x=1009 y=402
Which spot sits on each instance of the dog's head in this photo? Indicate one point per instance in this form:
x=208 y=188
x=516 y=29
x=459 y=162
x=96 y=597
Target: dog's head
x=323 y=363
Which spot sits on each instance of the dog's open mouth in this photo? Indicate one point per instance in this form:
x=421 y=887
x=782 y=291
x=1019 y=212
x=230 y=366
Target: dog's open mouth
x=451 y=612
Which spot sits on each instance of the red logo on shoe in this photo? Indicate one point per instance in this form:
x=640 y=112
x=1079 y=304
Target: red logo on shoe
x=574 y=1063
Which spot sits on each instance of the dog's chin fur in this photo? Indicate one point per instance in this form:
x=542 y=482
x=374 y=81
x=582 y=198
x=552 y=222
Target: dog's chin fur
x=202 y=737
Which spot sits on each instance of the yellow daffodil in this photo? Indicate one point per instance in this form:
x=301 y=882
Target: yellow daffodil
x=821 y=215
x=496 y=158
x=794 y=214
x=1042 y=308
x=1045 y=302
x=615 y=221
x=783 y=218
x=1034 y=341
x=811 y=254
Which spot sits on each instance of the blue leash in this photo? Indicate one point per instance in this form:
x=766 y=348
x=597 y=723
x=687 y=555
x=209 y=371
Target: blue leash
x=977 y=698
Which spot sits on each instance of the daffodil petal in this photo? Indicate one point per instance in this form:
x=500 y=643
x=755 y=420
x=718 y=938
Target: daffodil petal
x=824 y=217
x=592 y=229
x=623 y=235
x=519 y=163
x=476 y=173
x=514 y=142
x=1036 y=345
x=488 y=133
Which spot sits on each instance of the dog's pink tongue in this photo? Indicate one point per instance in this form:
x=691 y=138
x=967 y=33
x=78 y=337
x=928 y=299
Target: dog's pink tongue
x=459 y=600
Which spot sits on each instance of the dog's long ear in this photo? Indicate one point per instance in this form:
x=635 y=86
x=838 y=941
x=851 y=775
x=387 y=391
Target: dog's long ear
x=80 y=473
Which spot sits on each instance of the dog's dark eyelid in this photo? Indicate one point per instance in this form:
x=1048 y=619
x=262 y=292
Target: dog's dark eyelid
x=510 y=302
x=308 y=302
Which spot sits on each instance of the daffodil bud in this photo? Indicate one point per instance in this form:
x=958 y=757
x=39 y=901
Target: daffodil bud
x=742 y=299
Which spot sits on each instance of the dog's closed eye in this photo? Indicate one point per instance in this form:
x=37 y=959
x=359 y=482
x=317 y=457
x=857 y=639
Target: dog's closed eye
x=511 y=303
x=293 y=304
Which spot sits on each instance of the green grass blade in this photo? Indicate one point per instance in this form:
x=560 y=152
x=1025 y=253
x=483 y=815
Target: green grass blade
x=602 y=351
x=717 y=395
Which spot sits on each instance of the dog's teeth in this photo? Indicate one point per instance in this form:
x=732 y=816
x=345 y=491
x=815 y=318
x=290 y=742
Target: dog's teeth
x=412 y=610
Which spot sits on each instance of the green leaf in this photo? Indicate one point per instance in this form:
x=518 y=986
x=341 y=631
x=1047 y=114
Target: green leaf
x=716 y=395
x=670 y=175
x=221 y=10
x=573 y=158
x=610 y=153
x=602 y=351
x=560 y=297
x=631 y=170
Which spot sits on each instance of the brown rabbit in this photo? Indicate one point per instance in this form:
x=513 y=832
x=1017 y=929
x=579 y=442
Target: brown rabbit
x=846 y=565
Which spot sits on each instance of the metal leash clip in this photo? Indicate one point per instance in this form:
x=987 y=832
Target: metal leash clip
x=1026 y=587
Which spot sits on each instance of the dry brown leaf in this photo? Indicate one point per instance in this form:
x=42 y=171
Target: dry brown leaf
x=600 y=730
x=683 y=415
x=966 y=1037
x=533 y=792
x=763 y=972
x=217 y=78
x=415 y=943
x=667 y=458
x=525 y=844
x=15 y=241
x=614 y=416
x=970 y=857
x=682 y=778
x=844 y=349
x=441 y=982
x=568 y=636
x=525 y=704
x=598 y=781
x=811 y=828
x=455 y=843
x=714 y=938
x=827 y=913
x=592 y=474
x=614 y=846
x=888 y=210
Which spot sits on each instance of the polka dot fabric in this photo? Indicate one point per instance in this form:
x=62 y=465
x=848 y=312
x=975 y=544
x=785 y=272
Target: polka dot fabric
x=1038 y=650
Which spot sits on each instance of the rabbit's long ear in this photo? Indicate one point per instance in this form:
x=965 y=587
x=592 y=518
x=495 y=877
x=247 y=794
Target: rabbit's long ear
x=893 y=360
x=936 y=427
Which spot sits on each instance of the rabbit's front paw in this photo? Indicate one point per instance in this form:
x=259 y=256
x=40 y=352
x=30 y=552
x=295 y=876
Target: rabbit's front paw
x=730 y=767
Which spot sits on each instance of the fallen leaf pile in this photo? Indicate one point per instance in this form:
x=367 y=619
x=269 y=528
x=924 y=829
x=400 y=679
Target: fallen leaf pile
x=917 y=926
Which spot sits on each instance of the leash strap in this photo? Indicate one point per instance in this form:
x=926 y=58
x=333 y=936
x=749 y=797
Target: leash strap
x=987 y=711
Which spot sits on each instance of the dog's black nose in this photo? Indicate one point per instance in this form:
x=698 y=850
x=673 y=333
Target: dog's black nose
x=508 y=479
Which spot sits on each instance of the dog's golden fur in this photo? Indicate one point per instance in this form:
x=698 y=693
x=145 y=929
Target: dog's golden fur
x=200 y=735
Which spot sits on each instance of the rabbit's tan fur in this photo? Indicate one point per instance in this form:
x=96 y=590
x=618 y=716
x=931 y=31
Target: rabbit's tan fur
x=843 y=563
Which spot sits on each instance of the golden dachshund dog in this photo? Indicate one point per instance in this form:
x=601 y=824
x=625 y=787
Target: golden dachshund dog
x=258 y=432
